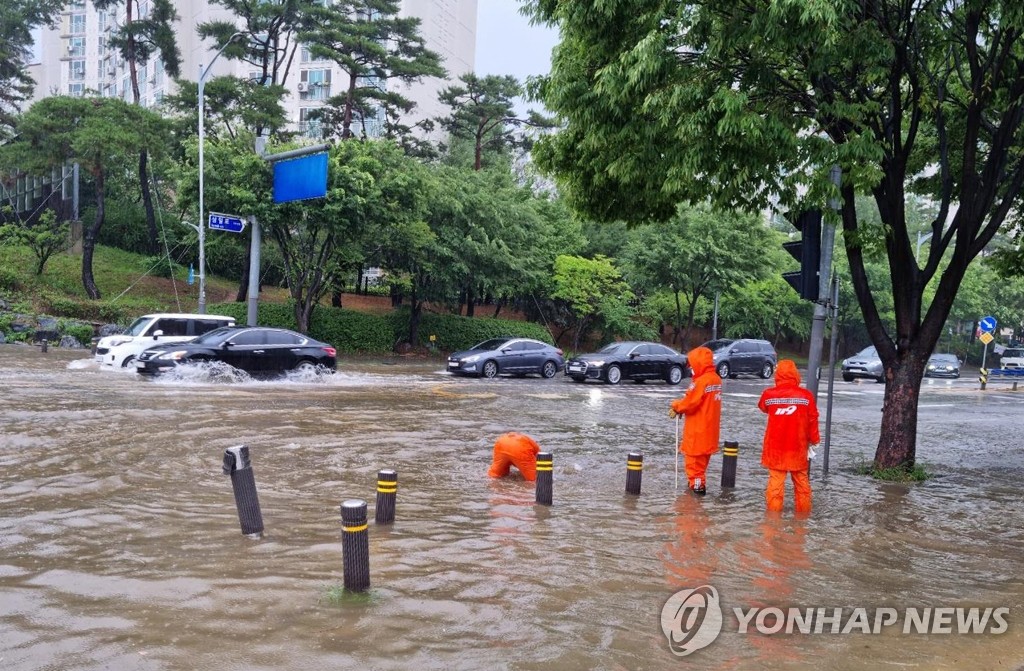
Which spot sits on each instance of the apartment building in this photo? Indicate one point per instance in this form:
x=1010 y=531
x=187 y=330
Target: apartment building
x=74 y=58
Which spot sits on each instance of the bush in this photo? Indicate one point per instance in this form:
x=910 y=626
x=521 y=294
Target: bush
x=160 y=266
x=347 y=330
x=9 y=280
x=82 y=332
x=455 y=332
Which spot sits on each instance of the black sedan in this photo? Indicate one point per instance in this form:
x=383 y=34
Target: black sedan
x=257 y=350
x=517 y=356
x=637 y=361
x=943 y=365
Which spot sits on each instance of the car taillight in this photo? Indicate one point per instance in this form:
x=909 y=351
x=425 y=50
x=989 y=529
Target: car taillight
x=559 y=350
x=330 y=351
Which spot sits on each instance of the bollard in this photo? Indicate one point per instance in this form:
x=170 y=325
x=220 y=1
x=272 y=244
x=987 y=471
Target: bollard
x=387 y=487
x=634 y=472
x=43 y=346
x=355 y=546
x=544 y=475
x=243 y=482
x=983 y=377
x=730 y=454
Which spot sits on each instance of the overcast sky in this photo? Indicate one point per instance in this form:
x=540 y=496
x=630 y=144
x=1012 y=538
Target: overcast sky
x=506 y=43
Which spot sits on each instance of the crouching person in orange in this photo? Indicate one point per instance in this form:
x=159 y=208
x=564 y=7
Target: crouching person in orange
x=515 y=449
x=702 y=408
x=792 y=429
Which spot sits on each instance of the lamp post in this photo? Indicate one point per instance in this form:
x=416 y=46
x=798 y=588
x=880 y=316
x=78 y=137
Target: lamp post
x=203 y=72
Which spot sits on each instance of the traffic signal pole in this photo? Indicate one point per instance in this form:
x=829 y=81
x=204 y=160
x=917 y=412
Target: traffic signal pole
x=821 y=305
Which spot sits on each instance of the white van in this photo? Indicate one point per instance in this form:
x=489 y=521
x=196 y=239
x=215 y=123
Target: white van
x=120 y=350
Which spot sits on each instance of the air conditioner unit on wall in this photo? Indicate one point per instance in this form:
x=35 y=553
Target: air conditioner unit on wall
x=303 y=87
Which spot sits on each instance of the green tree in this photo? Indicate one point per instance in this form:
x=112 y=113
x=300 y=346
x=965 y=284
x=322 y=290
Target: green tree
x=483 y=112
x=45 y=237
x=17 y=19
x=696 y=254
x=374 y=46
x=101 y=134
x=593 y=289
x=670 y=101
x=137 y=40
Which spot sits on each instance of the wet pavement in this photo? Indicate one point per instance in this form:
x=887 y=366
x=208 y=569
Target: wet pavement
x=120 y=545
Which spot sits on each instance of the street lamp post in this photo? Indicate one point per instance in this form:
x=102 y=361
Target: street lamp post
x=203 y=72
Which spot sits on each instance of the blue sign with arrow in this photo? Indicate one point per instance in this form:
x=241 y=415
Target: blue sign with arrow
x=987 y=324
x=226 y=222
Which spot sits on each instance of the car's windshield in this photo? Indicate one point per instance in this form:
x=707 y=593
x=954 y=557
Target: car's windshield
x=943 y=357
x=715 y=345
x=493 y=343
x=868 y=352
x=215 y=337
x=138 y=326
x=611 y=348
x=1013 y=353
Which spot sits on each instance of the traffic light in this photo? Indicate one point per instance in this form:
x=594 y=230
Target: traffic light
x=807 y=251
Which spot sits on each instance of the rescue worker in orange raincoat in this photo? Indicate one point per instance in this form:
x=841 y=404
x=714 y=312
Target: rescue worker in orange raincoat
x=515 y=449
x=792 y=429
x=702 y=408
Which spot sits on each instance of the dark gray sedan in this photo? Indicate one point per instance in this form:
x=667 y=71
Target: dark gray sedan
x=942 y=365
x=513 y=356
x=637 y=361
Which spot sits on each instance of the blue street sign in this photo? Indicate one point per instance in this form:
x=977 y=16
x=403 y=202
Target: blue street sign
x=988 y=324
x=226 y=222
x=300 y=178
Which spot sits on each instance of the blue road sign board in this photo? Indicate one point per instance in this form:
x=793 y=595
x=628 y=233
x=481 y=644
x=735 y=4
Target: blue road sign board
x=988 y=324
x=226 y=222
x=300 y=178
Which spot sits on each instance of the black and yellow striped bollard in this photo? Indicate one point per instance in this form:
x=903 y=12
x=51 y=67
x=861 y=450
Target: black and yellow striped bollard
x=355 y=545
x=983 y=377
x=544 y=478
x=730 y=455
x=387 y=488
x=634 y=472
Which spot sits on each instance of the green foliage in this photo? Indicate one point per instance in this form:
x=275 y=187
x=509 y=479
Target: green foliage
x=81 y=332
x=916 y=473
x=123 y=227
x=594 y=291
x=45 y=237
x=9 y=280
x=119 y=312
x=454 y=332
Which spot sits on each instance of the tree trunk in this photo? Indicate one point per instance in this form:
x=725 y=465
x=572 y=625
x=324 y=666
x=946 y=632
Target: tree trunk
x=396 y=296
x=897 y=443
x=498 y=306
x=147 y=202
x=243 y=286
x=470 y=301
x=89 y=241
x=336 y=298
x=414 y=318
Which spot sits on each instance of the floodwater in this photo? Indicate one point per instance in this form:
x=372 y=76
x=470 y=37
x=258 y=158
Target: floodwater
x=120 y=545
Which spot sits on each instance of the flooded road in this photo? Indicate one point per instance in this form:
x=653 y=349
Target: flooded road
x=120 y=545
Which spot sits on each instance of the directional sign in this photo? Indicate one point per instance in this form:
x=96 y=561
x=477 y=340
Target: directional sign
x=226 y=222
x=988 y=324
x=986 y=337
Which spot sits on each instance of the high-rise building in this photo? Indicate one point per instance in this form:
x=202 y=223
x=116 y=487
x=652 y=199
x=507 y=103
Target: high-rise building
x=74 y=57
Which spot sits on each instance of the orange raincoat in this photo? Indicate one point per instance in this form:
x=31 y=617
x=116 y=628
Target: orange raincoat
x=515 y=449
x=702 y=407
x=792 y=427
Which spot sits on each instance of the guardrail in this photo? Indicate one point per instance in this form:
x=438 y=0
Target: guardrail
x=984 y=374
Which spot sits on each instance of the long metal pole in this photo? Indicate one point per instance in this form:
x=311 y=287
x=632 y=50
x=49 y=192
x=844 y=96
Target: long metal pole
x=828 y=236
x=714 y=321
x=254 y=274
x=834 y=310
x=202 y=212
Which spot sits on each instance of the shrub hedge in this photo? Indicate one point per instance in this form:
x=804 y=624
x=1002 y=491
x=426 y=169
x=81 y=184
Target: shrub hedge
x=351 y=331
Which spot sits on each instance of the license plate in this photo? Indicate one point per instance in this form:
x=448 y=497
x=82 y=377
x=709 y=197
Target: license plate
x=575 y=367
x=453 y=364
x=139 y=364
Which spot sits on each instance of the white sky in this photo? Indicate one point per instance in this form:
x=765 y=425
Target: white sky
x=506 y=43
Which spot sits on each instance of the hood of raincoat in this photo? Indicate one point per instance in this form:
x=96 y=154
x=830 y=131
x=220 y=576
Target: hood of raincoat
x=701 y=360
x=786 y=374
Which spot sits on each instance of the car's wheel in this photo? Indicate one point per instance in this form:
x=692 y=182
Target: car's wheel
x=614 y=374
x=880 y=379
x=847 y=378
x=767 y=369
x=128 y=361
x=490 y=369
x=305 y=366
x=675 y=375
x=549 y=369
x=723 y=369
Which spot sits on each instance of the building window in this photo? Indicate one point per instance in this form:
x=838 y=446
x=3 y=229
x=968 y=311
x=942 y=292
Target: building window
x=314 y=84
x=75 y=90
x=102 y=17
x=157 y=80
x=77 y=23
x=77 y=70
x=76 y=47
x=308 y=126
x=306 y=56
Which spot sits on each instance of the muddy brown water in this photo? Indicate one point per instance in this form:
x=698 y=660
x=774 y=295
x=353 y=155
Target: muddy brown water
x=120 y=545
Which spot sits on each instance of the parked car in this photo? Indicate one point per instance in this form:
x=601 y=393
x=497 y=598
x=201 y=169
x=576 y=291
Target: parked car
x=942 y=365
x=637 y=361
x=516 y=356
x=258 y=350
x=746 y=355
x=864 y=364
x=121 y=350
x=1012 y=357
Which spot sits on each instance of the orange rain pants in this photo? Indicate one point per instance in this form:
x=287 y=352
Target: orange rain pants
x=776 y=492
x=515 y=449
x=696 y=467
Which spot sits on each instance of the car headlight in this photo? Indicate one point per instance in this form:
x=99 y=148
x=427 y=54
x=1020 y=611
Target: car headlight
x=596 y=364
x=176 y=355
x=471 y=359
